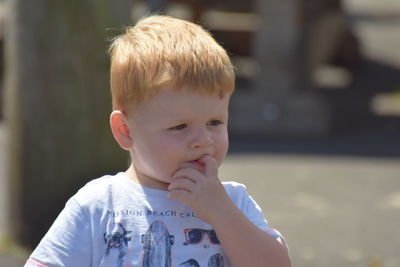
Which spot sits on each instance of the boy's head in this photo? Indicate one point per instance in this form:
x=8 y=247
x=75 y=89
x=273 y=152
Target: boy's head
x=171 y=84
x=163 y=52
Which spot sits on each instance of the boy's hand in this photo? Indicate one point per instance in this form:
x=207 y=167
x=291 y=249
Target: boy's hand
x=201 y=190
x=243 y=242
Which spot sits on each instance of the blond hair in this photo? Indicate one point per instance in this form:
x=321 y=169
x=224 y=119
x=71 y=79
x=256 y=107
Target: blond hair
x=164 y=52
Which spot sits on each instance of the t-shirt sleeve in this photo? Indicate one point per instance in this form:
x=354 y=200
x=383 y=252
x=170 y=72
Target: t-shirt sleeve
x=255 y=214
x=67 y=243
x=252 y=210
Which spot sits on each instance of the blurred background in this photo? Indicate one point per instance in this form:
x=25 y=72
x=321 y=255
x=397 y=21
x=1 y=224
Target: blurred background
x=314 y=124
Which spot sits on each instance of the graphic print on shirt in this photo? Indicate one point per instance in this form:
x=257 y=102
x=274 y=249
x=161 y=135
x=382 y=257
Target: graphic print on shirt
x=216 y=260
x=117 y=240
x=157 y=243
x=190 y=263
x=195 y=236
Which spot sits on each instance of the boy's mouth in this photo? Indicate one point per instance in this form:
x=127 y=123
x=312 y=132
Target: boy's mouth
x=197 y=164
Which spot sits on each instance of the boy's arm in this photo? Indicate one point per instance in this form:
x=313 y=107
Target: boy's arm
x=67 y=243
x=247 y=245
x=243 y=242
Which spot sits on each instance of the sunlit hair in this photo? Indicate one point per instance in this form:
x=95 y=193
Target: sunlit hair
x=163 y=52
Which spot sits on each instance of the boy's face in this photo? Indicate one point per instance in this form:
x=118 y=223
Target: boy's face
x=173 y=130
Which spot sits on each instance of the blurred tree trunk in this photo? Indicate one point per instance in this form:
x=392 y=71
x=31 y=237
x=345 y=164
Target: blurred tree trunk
x=57 y=105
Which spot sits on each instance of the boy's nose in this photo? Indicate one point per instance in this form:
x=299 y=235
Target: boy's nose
x=203 y=138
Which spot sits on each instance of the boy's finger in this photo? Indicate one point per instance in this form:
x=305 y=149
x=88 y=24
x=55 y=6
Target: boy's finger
x=182 y=184
x=210 y=166
x=188 y=173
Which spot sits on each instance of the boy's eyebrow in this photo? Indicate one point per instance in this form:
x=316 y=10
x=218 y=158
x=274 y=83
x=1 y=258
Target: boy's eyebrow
x=181 y=119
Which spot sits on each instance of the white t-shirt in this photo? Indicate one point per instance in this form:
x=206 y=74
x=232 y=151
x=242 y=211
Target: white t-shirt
x=113 y=221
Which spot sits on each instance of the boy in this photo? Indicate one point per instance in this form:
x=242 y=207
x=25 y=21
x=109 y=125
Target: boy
x=171 y=84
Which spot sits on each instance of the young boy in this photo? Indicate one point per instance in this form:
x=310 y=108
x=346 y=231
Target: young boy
x=171 y=84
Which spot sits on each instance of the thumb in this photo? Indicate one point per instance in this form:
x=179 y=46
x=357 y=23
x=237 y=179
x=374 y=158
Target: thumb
x=210 y=166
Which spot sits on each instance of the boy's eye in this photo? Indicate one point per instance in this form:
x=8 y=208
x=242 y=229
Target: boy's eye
x=215 y=123
x=178 y=127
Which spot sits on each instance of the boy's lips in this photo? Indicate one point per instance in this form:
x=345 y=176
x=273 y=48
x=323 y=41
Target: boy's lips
x=197 y=164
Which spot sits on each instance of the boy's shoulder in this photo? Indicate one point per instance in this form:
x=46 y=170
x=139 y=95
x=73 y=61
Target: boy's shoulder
x=233 y=185
x=100 y=189
x=243 y=200
x=235 y=189
x=105 y=182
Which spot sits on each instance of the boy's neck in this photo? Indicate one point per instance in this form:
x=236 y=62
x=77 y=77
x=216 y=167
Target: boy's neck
x=135 y=176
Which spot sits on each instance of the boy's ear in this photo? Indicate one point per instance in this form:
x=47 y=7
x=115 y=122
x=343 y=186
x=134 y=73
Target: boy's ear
x=120 y=129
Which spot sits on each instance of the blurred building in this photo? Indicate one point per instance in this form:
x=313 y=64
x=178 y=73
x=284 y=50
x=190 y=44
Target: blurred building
x=301 y=68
